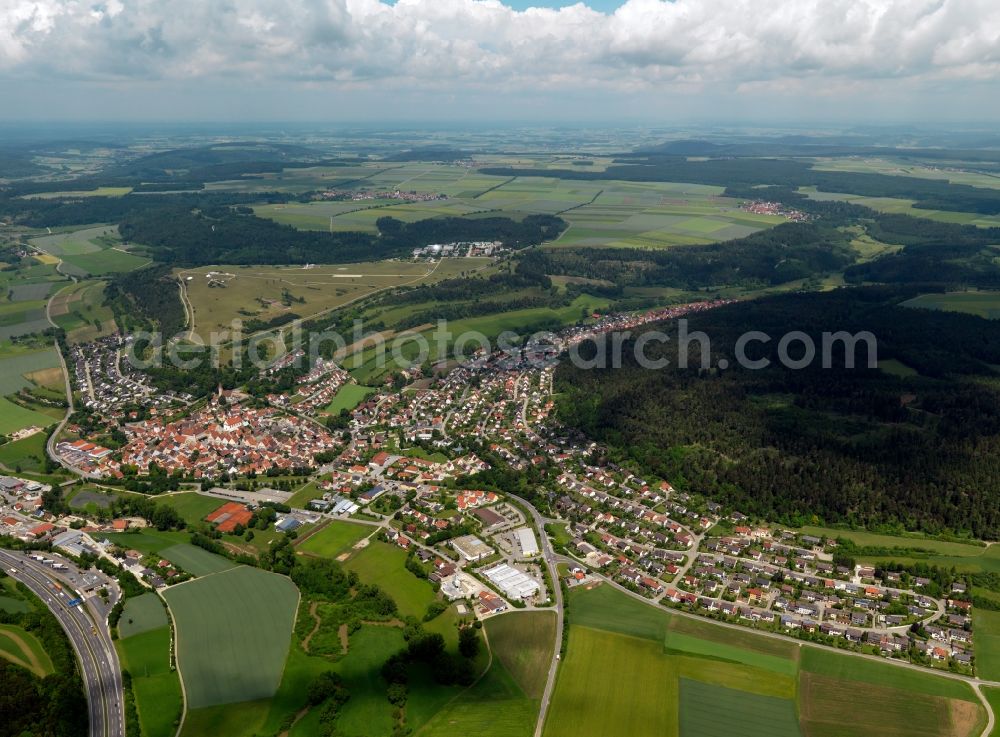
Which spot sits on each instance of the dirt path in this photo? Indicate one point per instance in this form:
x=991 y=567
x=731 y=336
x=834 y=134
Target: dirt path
x=342 y=634
x=315 y=629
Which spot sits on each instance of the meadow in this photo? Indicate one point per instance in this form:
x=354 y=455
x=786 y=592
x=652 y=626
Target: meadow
x=986 y=625
x=191 y=505
x=80 y=310
x=156 y=687
x=983 y=304
x=220 y=295
x=15 y=367
x=28 y=454
x=22 y=648
x=523 y=642
x=335 y=538
x=196 y=560
x=348 y=397
x=233 y=633
x=384 y=564
x=141 y=614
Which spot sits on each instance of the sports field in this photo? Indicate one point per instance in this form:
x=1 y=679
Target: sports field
x=233 y=632
x=334 y=539
x=157 y=688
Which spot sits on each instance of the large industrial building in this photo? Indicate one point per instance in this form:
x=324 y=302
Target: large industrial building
x=513 y=583
x=526 y=539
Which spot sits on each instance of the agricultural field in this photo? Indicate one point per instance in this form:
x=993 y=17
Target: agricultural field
x=878 y=165
x=96 y=250
x=221 y=295
x=655 y=673
x=983 y=304
x=148 y=540
x=494 y=706
x=99 y=192
x=22 y=648
x=141 y=614
x=80 y=310
x=28 y=454
x=900 y=206
x=707 y=710
x=233 y=633
x=523 y=642
x=16 y=366
x=145 y=655
x=336 y=538
x=986 y=625
x=600 y=213
x=196 y=560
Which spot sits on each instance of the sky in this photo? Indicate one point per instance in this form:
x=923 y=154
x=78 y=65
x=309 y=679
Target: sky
x=639 y=61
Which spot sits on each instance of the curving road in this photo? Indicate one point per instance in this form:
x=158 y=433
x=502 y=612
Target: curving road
x=101 y=671
x=550 y=562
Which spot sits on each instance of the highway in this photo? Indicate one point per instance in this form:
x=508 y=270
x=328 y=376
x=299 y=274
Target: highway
x=90 y=638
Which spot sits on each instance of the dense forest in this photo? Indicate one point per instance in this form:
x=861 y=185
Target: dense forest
x=146 y=298
x=178 y=235
x=857 y=445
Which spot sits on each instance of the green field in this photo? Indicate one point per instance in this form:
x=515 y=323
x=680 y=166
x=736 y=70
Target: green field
x=20 y=647
x=233 y=633
x=384 y=564
x=107 y=261
x=157 y=688
x=196 y=560
x=12 y=600
x=523 y=642
x=191 y=505
x=348 y=397
x=715 y=711
x=335 y=538
x=149 y=540
x=758 y=680
x=983 y=304
x=15 y=365
x=27 y=453
x=79 y=309
x=142 y=613
x=901 y=206
x=986 y=626
x=494 y=706
x=613 y=684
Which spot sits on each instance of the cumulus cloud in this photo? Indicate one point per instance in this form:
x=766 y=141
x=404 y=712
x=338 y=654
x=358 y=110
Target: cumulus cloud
x=484 y=44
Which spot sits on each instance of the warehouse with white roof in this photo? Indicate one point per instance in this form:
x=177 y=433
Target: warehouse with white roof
x=526 y=539
x=513 y=583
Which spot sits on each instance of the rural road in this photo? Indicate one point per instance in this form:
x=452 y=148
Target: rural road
x=550 y=558
x=50 y=445
x=102 y=680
